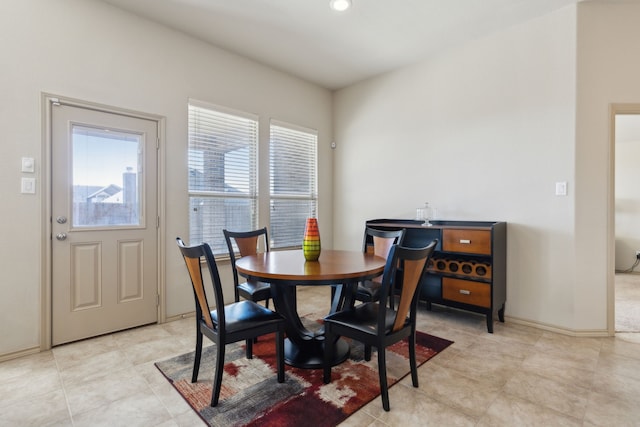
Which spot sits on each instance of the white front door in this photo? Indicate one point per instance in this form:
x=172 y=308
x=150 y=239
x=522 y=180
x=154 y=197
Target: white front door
x=104 y=222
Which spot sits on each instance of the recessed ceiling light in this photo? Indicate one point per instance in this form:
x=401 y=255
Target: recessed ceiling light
x=340 y=5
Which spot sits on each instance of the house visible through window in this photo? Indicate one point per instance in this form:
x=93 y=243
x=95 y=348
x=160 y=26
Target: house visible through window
x=293 y=182
x=222 y=173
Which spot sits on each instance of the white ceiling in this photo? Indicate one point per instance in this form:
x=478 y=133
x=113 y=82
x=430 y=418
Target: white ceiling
x=307 y=39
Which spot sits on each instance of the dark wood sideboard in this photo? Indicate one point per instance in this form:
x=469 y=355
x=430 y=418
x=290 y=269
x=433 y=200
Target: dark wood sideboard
x=468 y=270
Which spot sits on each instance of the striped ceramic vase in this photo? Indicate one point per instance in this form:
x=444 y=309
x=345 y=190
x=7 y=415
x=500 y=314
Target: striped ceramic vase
x=311 y=240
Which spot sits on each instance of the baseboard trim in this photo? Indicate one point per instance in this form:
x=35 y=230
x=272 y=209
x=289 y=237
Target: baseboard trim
x=180 y=316
x=559 y=330
x=17 y=354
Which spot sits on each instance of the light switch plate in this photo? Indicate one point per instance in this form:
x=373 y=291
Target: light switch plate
x=28 y=186
x=28 y=164
x=561 y=188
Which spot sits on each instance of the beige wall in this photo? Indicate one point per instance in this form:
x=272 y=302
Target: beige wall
x=91 y=51
x=608 y=70
x=482 y=132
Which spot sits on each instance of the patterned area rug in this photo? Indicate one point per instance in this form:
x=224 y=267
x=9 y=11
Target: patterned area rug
x=251 y=395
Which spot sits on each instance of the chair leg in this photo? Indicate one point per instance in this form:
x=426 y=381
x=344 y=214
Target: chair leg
x=367 y=352
x=328 y=352
x=196 y=361
x=412 y=360
x=217 y=381
x=249 y=347
x=382 y=372
x=280 y=355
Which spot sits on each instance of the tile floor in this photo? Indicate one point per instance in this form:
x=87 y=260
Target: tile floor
x=518 y=376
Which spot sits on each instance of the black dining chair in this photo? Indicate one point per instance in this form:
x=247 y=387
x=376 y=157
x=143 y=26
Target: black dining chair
x=247 y=244
x=377 y=325
x=244 y=320
x=377 y=242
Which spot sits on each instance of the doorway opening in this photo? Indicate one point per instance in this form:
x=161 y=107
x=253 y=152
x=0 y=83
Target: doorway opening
x=626 y=131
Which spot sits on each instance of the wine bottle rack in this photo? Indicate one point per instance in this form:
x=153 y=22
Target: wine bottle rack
x=460 y=267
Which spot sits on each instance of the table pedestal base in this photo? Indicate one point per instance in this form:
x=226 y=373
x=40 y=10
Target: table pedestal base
x=310 y=354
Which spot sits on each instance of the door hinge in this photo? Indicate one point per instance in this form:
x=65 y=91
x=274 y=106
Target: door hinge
x=157 y=222
x=55 y=101
x=157 y=300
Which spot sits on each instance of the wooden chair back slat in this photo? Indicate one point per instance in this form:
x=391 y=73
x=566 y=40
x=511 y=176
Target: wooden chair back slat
x=195 y=272
x=247 y=245
x=412 y=273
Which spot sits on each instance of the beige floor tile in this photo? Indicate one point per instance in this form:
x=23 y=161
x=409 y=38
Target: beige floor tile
x=172 y=401
x=96 y=392
x=140 y=410
x=457 y=391
x=553 y=341
x=143 y=334
x=91 y=368
x=516 y=376
x=562 y=397
x=461 y=339
x=490 y=369
x=512 y=411
x=410 y=407
x=18 y=389
x=624 y=366
x=514 y=332
x=362 y=419
x=48 y=409
x=157 y=350
x=34 y=364
x=607 y=410
x=622 y=346
x=187 y=419
x=69 y=354
x=619 y=387
x=561 y=366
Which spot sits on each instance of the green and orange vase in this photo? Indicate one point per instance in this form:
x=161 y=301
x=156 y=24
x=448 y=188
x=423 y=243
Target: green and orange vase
x=311 y=240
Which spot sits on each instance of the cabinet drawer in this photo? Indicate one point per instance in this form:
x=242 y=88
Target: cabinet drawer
x=466 y=291
x=467 y=241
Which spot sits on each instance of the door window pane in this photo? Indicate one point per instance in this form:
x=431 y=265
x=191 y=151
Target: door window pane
x=106 y=187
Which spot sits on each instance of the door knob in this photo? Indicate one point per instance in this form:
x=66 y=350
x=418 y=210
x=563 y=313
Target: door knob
x=61 y=236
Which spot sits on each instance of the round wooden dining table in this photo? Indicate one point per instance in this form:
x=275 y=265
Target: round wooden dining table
x=285 y=270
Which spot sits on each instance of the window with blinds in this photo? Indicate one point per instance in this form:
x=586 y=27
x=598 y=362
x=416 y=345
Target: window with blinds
x=222 y=173
x=293 y=182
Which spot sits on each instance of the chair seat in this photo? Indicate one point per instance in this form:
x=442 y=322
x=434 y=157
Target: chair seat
x=256 y=291
x=245 y=315
x=364 y=318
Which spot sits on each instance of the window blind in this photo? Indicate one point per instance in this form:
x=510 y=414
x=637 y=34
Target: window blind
x=293 y=182
x=222 y=163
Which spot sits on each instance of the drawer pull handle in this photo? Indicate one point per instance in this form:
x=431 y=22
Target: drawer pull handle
x=465 y=241
x=465 y=292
